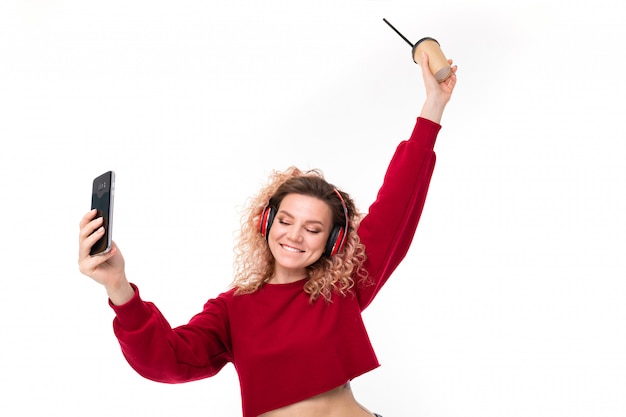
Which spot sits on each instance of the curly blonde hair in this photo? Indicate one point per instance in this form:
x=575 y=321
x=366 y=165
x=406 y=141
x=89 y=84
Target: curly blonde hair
x=254 y=263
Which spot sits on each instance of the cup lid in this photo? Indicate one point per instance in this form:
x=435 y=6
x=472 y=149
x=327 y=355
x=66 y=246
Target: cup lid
x=427 y=38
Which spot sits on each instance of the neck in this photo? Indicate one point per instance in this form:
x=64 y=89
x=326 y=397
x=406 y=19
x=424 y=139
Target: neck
x=279 y=278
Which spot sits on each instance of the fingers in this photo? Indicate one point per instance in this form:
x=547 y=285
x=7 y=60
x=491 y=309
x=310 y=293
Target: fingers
x=87 y=217
x=88 y=264
x=454 y=67
x=91 y=231
x=451 y=81
x=90 y=234
x=89 y=224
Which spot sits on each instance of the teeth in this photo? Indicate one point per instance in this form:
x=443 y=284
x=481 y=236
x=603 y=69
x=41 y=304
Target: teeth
x=290 y=249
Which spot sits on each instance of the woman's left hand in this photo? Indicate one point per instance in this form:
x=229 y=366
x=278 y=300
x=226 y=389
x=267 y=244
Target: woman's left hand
x=438 y=94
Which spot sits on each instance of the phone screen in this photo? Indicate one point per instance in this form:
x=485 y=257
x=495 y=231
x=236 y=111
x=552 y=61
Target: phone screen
x=102 y=200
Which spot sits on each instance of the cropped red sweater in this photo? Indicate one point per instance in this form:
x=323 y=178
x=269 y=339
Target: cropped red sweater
x=284 y=348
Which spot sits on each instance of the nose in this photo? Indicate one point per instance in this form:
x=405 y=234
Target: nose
x=294 y=234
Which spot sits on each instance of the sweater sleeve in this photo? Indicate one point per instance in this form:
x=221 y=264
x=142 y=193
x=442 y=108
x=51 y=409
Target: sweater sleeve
x=389 y=226
x=161 y=353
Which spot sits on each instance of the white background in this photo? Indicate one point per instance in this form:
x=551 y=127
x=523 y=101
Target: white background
x=511 y=301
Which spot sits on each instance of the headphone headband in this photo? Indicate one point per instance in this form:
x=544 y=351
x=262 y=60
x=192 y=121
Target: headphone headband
x=340 y=240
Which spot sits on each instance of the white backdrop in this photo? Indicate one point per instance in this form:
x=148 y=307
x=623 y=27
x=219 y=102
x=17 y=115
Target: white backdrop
x=511 y=300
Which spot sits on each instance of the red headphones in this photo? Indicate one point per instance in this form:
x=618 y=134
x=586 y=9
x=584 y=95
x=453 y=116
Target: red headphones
x=336 y=239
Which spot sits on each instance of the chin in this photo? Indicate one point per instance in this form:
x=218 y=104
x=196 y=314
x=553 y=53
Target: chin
x=292 y=264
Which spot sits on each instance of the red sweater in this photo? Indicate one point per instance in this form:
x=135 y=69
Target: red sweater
x=284 y=348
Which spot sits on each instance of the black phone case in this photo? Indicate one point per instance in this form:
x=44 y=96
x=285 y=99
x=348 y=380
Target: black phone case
x=102 y=200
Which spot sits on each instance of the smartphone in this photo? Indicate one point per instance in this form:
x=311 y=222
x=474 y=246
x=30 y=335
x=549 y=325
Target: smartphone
x=102 y=200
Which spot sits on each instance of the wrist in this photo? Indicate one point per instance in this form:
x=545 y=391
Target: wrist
x=433 y=110
x=121 y=292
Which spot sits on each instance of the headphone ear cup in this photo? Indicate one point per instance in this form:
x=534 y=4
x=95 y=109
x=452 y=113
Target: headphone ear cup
x=335 y=241
x=266 y=220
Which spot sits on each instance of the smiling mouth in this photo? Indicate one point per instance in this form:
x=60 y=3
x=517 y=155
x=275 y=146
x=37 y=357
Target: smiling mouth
x=291 y=249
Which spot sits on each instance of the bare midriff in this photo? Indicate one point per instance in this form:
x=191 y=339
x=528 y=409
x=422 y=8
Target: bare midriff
x=338 y=402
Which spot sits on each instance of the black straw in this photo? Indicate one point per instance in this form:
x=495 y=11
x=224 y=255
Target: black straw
x=396 y=30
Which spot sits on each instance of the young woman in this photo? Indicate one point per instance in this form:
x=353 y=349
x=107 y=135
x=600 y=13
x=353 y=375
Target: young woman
x=307 y=265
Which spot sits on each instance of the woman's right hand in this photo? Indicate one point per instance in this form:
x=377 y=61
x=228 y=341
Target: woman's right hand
x=106 y=269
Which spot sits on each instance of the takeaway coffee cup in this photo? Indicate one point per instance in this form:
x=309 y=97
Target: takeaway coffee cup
x=437 y=61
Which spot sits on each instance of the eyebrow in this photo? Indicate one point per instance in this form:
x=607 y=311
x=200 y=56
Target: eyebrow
x=285 y=212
